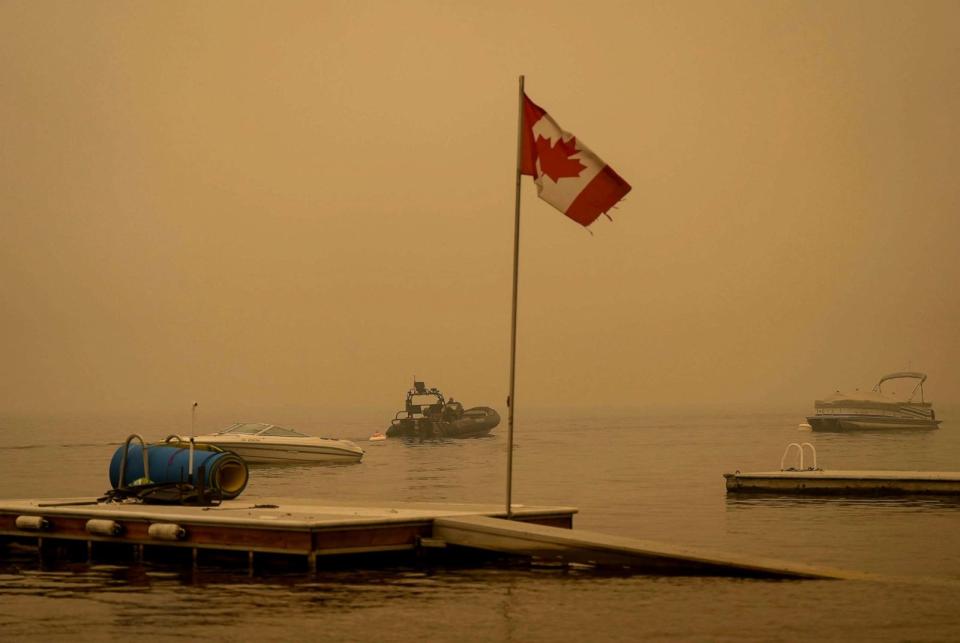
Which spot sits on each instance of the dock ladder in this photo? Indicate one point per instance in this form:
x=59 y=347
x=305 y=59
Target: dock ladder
x=800 y=451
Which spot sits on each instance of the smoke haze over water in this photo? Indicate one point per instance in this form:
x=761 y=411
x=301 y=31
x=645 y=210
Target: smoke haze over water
x=306 y=206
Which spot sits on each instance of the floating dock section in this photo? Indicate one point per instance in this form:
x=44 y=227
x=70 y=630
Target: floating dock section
x=320 y=534
x=821 y=482
x=813 y=480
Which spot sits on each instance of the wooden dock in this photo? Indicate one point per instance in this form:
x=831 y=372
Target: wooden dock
x=845 y=482
x=336 y=534
x=274 y=526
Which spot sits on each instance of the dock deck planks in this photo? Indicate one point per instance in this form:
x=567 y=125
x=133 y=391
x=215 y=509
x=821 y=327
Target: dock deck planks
x=279 y=526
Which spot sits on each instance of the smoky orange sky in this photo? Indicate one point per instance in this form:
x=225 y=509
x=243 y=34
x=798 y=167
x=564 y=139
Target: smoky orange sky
x=260 y=204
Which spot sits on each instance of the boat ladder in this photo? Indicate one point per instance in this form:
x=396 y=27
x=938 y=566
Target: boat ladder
x=800 y=451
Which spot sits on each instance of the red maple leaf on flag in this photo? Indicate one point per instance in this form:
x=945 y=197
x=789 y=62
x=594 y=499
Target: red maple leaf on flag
x=555 y=159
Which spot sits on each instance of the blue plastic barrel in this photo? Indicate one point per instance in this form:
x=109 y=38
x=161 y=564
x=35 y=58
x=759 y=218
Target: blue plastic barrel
x=223 y=471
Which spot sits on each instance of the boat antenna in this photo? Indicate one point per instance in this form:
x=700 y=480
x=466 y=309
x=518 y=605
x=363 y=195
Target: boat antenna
x=193 y=418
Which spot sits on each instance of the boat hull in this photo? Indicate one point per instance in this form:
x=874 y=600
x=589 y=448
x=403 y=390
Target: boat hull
x=868 y=423
x=476 y=422
x=260 y=453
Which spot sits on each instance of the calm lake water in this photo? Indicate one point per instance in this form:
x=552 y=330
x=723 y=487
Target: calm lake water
x=654 y=476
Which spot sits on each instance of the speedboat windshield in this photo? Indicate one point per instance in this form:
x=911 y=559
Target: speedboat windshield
x=282 y=432
x=260 y=428
x=246 y=429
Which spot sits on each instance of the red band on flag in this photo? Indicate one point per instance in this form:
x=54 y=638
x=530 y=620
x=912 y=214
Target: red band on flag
x=528 y=157
x=601 y=194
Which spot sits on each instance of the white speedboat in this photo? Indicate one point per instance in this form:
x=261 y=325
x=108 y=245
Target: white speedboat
x=875 y=410
x=259 y=443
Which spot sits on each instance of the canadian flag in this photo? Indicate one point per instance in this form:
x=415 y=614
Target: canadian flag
x=568 y=175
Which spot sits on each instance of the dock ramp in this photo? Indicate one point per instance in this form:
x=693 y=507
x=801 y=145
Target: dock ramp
x=602 y=550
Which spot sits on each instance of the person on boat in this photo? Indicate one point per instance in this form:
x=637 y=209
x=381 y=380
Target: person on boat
x=432 y=411
x=452 y=410
x=448 y=411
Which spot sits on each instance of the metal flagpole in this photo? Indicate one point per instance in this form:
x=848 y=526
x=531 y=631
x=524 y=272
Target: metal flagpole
x=511 y=399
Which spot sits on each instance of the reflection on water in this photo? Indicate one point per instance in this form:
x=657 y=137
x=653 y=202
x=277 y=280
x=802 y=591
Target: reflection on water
x=657 y=478
x=873 y=503
x=462 y=605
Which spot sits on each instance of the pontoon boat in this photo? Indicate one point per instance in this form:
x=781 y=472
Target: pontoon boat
x=875 y=410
